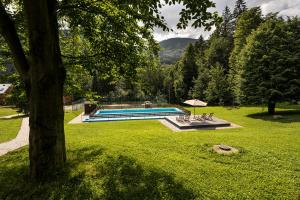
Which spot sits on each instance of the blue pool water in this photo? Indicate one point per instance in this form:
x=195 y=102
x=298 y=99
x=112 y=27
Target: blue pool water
x=148 y=110
x=133 y=114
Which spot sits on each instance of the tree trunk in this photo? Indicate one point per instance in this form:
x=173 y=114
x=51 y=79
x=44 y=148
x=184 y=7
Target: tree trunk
x=271 y=107
x=46 y=140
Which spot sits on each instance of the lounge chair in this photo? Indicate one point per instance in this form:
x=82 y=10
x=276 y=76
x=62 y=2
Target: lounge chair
x=187 y=118
x=210 y=117
x=202 y=117
x=198 y=118
x=180 y=118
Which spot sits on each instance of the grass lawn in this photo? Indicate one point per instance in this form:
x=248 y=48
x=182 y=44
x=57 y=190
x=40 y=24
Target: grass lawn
x=9 y=128
x=4 y=111
x=145 y=160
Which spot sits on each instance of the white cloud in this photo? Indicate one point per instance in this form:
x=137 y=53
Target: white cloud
x=171 y=14
x=283 y=7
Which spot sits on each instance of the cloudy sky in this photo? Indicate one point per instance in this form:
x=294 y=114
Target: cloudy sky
x=171 y=14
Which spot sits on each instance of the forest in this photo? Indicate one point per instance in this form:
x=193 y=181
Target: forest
x=248 y=59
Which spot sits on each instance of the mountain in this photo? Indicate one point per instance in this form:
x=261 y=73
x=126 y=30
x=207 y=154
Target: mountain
x=173 y=48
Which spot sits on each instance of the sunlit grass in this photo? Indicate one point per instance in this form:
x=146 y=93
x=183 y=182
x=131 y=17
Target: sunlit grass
x=145 y=160
x=9 y=128
x=5 y=111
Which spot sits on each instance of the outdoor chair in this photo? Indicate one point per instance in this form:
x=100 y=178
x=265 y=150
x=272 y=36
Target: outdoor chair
x=210 y=117
x=187 y=118
x=198 y=118
x=202 y=117
x=180 y=118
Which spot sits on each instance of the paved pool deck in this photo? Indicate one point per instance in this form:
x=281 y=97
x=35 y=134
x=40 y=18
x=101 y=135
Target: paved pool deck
x=194 y=125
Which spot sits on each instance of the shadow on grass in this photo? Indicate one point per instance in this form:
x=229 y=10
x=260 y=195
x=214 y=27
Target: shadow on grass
x=14 y=117
x=91 y=174
x=280 y=116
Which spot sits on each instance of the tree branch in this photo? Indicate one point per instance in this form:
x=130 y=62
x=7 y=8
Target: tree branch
x=8 y=31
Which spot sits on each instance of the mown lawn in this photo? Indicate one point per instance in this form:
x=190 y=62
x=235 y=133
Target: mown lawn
x=9 y=128
x=5 y=111
x=145 y=160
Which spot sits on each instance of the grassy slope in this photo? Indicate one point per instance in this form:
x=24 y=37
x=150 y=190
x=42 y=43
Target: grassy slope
x=8 y=127
x=4 y=111
x=145 y=160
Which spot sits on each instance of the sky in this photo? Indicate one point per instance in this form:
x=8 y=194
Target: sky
x=171 y=14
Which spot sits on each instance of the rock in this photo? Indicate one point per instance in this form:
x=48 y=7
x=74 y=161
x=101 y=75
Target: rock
x=224 y=149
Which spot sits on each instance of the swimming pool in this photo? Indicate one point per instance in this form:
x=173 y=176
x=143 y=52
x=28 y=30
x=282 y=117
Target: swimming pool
x=133 y=114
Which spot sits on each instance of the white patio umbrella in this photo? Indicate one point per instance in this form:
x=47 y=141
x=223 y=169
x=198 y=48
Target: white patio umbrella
x=195 y=103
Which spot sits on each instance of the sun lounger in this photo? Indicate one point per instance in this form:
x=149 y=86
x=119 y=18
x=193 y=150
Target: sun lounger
x=203 y=117
x=187 y=118
x=210 y=117
x=198 y=118
x=180 y=118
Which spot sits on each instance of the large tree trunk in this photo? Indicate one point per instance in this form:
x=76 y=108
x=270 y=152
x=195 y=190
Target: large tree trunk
x=46 y=141
x=271 y=107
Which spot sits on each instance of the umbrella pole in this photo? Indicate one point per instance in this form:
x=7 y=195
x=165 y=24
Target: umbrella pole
x=194 y=111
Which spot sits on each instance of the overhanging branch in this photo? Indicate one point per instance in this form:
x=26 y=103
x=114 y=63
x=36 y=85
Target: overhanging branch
x=8 y=31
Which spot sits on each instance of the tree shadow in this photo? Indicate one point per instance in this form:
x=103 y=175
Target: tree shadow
x=286 y=116
x=91 y=173
x=15 y=117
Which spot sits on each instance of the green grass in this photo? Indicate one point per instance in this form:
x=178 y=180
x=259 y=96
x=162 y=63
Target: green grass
x=145 y=160
x=9 y=129
x=5 y=111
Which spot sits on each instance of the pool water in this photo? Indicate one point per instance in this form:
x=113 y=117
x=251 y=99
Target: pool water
x=133 y=114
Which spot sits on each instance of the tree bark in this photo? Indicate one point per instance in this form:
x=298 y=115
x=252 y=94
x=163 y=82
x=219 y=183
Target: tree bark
x=47 y=151
x=44 y=75
x=271 y=107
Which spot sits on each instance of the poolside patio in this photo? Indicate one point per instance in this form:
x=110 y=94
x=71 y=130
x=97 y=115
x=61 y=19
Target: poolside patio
x=195 y=124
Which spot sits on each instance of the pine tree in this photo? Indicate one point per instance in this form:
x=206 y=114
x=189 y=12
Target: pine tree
x=227 y=26
x=217 y=89
x=239 y=8
x=189 y=69
x=200 y=83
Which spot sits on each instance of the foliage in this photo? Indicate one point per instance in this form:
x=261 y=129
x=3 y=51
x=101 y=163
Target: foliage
x=239 y=8
x=217 y=89
x=247 y=22
x=270 y=62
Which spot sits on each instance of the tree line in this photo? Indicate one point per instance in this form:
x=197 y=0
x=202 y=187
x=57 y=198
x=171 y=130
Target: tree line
x=249 y=59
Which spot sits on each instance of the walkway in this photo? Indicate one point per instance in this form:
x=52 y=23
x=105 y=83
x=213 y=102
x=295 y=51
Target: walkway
x=20 y=141
x=78 y=119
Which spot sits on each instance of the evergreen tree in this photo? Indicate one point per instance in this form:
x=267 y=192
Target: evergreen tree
x=189 y=69
x=239 y=8
x=246 y=23
x=219 y=52
x=217 y=89
x=200 y=83
x=227 y=26
x=270 y=63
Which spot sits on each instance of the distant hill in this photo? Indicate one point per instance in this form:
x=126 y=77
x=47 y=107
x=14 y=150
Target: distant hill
x=173 y=48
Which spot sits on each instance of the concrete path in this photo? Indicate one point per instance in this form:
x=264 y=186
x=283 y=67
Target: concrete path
x=78 y=119
x=21 y=140
x=12 y=116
